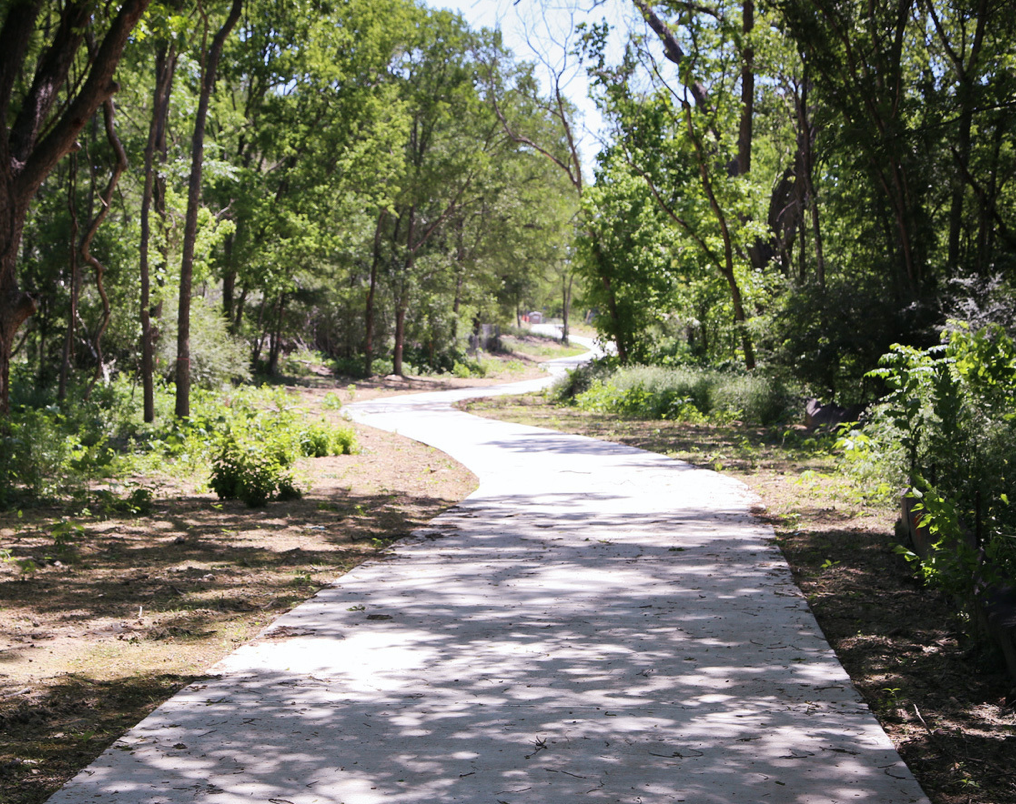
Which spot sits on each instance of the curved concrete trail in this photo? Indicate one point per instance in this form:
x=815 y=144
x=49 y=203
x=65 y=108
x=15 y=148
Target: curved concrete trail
x=595 y=623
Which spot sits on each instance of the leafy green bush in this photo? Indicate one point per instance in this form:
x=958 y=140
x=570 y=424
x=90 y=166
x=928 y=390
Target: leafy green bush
x=332 y=401
x=687 y=394
x=945 y=435
x=217 y=358
x=36 y=454
x=754 y=398
x=580 y=379
x=319 y=440
x=315 y=441
x=381 y=366
x=344 y=441
x=467 y=368
x=253 y=471
x=50 y=452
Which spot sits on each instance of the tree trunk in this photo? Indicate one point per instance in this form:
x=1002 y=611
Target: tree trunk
x=967 y=74
x=276 y=346
x=400 y=338
x=241 y=303
x=368 y=335
x=75 y=280
x=567 y=278
x=744 y=136
x=183 y=374
x=259 y=343
x=165 y=66
x=806 y=137
x=619 y=336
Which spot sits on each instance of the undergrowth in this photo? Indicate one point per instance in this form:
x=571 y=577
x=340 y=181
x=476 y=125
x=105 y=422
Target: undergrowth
x=245 y=440
x=678 y=394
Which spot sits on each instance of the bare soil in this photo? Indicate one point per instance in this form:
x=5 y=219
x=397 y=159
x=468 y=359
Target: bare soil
x=944 y=699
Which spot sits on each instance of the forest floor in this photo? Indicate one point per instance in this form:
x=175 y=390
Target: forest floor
x=946 y=702
x=137 y=606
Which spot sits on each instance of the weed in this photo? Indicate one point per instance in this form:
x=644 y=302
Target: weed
x=332 y=401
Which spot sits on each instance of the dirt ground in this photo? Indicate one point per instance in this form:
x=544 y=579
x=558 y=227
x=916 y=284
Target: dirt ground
x=945 y=701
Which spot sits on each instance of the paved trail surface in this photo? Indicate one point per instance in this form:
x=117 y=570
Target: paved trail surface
x=594 y=624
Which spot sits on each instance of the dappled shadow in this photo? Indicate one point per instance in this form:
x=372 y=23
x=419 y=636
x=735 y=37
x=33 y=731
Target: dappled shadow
x=594 y=623
x=70 y=724
x=200 y=560
x=539 y=649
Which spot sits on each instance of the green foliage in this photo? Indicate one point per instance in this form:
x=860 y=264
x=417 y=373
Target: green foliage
x=320 y=440
x=259 y=441
x=470 y=367
x=332 y=401
x=579 y=380
x=946 y=434
x=687 y=394
x=254 y=471
x=50 y=452
x=65 y=535
x=217 y=358
x=344 y=441
x=626 y=260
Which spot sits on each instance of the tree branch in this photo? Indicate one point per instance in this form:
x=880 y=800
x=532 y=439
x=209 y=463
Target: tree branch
x=97 y=88
x=16 y=35
x=672 y=49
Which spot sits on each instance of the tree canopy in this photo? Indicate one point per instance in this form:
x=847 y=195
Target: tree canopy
x=193 y=190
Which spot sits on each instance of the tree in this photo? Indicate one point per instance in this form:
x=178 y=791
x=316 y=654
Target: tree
x=209 y=68
x=40 y=122
x=543 y=124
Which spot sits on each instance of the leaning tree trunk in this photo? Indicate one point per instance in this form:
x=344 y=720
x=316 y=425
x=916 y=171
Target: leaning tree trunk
x=190 y=232
x=165 y=65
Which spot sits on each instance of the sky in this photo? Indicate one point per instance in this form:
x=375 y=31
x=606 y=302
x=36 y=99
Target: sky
x=542 y=31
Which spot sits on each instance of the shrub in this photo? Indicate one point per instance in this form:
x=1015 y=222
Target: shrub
x=315 y=441
x=686 y=394
x=217 y=358
x=332 y=401
x=579 y=380
x=36 y=454
x=344 y=441
x=319 y=440
x=253 y=471
x=469 y=367
x=944 y=435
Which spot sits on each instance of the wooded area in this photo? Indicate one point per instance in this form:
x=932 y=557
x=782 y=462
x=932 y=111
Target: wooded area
x=332 y=177
x=793 y=200
x=796 y=188
x=798 y=185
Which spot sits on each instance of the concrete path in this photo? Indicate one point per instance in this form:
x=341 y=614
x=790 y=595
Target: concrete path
x=595 y=623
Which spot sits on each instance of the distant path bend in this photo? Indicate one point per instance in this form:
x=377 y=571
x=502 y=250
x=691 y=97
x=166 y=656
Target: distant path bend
x=595 y=623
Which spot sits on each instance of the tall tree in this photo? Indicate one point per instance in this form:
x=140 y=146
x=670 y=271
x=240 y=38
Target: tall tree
x=40 y=122
x=165 y=68
x=210 y=67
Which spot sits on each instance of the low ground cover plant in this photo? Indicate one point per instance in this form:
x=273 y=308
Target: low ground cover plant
x=678 y=393
x=245 y=440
